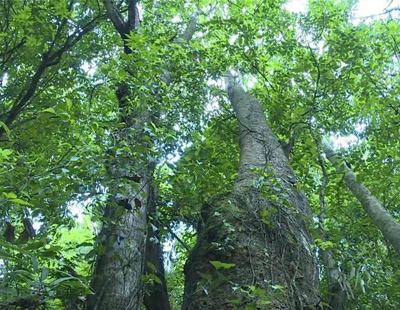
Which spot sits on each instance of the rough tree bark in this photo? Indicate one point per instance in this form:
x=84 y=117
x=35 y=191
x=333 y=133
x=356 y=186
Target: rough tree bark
x=389 y=227
x=260 y=227
x=121 y=244
x=129 y=254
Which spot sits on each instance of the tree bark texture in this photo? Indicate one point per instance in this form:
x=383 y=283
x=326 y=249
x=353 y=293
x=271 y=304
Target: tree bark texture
x=337 y=287
x=117 y=282
x=385 y=222
x=121 y=245
x=156 y=295
x=253 y=246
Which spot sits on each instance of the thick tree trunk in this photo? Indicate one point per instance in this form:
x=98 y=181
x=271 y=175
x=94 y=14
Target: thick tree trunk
x=389 y=227
x=253 y=246
x=117 y=282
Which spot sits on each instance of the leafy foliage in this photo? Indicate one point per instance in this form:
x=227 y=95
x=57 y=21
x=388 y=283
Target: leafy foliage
x=317 y=74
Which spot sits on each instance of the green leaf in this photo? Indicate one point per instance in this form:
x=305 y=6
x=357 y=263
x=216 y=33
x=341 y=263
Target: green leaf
x=6 y=152
x=49 y=110
x=64 y=280
x=10 y=195
x=44 y=274
x=220 y=265
x=6 y=129
x=21 y=202
x=205 y=276
x=69 y=103
x=35 y=262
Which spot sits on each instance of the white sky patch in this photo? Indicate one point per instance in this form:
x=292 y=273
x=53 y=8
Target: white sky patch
x=89 y=68
x=370 y=8
x=4 y=80
x=297 y=6
x=213 y=105
x=360 y=127
x=76 y=209
x=251 y=81
x=173 y=158
x=233 y=39
x=176 y=19
x=37 y=225
x=363 y=9
x=344 y=142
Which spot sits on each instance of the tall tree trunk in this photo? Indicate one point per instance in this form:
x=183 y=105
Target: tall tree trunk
x=121 y=244
x=117 y=281
x=253 y=247
x=128 y=253
x=385 y=222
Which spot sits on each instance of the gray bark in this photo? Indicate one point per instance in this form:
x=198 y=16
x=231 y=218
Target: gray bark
x=156 y=296
x=121 y=244
x=389 y=227
x=337 y=285
x=117 y=281
x=260 y=228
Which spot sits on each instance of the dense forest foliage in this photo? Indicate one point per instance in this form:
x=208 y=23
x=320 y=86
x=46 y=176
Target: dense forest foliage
x=199 y=155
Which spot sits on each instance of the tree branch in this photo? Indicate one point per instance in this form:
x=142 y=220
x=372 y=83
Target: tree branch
x=47 y=61
x=116 y=17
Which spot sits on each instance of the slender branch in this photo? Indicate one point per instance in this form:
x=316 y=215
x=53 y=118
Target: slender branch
x=23 y=100
x=385 y=222
x=187 y=248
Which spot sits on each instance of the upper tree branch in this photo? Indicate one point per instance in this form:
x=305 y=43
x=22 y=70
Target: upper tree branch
x=49 y=59
x=133 y=16
x=124 y=27
x=115 y=15
x=385 y=222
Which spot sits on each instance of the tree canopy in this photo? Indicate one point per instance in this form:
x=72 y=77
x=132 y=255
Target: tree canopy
x=69 y=137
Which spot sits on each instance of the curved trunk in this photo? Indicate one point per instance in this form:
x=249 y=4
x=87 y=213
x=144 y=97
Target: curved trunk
x=389 y=227
x=253 y=247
